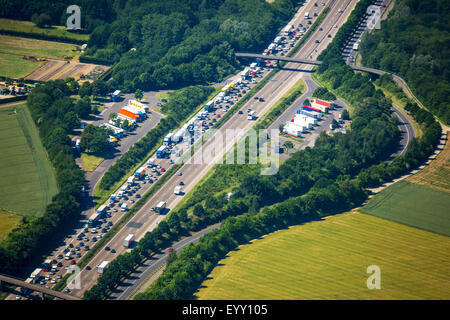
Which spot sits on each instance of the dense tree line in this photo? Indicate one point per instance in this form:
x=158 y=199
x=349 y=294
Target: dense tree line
x=418 y=150
x=174 y=43
x=180 y=105
x=323 y=93
x=93 y=12
x=49 y=104
x=414 y=42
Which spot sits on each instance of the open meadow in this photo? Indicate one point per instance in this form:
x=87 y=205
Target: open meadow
x=14 y=66
x=329 y=259
x=36 y=48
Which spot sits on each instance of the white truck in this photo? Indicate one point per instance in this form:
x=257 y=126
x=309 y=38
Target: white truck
x=306 y=15
x=128 y=240
x=151 y=162
x=160 y=206
x=102 y=266
x=177 y=190
x=251 y=115
x=35 y=275
x=124 y=207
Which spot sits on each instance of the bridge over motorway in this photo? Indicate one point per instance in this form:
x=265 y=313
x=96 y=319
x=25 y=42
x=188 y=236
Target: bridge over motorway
x=305 y=61
x=37 y=288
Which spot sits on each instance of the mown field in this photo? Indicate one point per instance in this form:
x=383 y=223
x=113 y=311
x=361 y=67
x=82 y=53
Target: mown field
x=14 y=66
x=329 y=259
x=27 y=180
x=36 y=48
x=29 y=27
x=437 y=173
x=414 y=205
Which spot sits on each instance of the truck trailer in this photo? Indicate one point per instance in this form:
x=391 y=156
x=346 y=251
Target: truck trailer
x=160 y=206
x=102 y=266
x=130 y=114
x=128 y=240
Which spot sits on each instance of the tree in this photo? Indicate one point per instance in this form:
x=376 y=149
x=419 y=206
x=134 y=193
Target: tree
x=345 y=115
x=281 y=127
x=138 y=94
x=99 y=88
x=94 y=139
x=334 y=124
x=71 y=120
x=41 y=20
x=125 y=124
x=306 y=102
x=85 y=89
x=288 y=145
x=171 y=257
x=112 y=116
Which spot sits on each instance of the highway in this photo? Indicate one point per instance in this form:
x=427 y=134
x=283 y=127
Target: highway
x=145 y=220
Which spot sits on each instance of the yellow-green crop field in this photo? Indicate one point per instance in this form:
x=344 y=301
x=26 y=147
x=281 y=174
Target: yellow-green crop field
x=329 y=259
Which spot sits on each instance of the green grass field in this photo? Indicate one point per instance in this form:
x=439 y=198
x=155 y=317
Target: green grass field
x=36 y=48
x=412 y=204
x=29 y=27
x=90 y=162
x=329 y=259
x=13 y=66
x=27 y=180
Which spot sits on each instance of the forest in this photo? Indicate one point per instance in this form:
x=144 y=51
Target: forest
x=176 y=43
x=414 y=42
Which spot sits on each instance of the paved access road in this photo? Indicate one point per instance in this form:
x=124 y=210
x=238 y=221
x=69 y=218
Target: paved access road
x=137 y=280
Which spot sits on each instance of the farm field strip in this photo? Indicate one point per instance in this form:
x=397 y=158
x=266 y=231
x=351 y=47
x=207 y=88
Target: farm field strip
x=36 y=48
x=30 y=27
x=27 y=181
x=328 y=260
x=14 y=66
x=412 y=204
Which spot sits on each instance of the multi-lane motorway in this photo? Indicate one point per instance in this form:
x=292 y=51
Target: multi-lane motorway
x=145 y=220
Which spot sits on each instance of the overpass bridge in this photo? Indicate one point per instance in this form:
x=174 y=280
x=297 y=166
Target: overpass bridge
x=37 y=288
x=303 y=61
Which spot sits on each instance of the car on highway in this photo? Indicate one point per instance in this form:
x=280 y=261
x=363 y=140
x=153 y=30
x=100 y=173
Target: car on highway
x=113 y=251
x=240 y=112
x=88 y=267
x=107 y=248
x=60 y=256
x=261 y=99
x=180 y=173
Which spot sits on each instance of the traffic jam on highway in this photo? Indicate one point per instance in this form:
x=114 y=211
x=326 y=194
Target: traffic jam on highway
x=175 y=144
